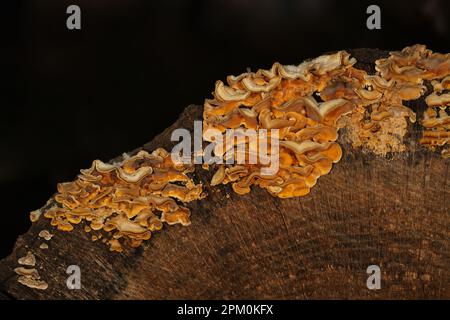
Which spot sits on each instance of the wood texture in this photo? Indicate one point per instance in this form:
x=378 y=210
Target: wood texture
x=392 y=212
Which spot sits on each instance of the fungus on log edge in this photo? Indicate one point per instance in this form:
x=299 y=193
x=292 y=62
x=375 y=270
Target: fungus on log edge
x=370 y=108
x=309 y=103
x=126 y=201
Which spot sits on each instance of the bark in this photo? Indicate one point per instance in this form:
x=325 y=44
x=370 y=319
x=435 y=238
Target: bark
x=370 y=210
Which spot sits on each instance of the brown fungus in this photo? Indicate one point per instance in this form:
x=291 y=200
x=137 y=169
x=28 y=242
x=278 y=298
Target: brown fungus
x=28 y=260
x=30 y=277
x=45 y=234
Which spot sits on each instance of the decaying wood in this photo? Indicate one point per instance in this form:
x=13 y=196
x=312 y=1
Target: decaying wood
x=389 y=211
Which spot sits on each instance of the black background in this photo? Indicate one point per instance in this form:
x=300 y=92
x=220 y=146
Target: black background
x=77 y=95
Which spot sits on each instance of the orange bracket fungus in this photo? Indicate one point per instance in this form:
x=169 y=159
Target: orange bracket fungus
x=282 y=98
x=412 y=66
x=436 y=121
x=126 y=201
x=309 y=104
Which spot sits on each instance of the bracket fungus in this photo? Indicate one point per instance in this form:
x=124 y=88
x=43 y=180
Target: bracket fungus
x=29 y=277
x=414 y=65
x=369 y=108
x=282 y=98
x=28 y=260
x=309 y=104
x=436 y=120
x=46 y=235
x=127 y=200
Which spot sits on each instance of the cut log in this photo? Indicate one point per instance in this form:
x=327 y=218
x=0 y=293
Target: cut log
x=392 y=212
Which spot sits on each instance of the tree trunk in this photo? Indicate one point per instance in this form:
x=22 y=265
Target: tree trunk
x=392 y=212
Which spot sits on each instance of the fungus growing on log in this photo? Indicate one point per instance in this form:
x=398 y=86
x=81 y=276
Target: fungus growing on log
x=286 y=102
x=128 y=200
x=29 y=277
x=389 y=211
x=436 y=121
x=46 y=235
x=414 y=65
x=28 y=260
x=309 y=104
x=369 y=108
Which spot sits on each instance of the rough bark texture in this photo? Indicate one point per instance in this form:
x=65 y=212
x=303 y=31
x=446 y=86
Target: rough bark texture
x=389 y=211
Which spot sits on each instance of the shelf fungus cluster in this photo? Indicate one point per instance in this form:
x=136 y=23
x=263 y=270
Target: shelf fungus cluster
x=380 y=119
x=436 y=120
x=28 y=274
x=412 y=66
x=282 y=98
x=126 y=201
x=310 y=102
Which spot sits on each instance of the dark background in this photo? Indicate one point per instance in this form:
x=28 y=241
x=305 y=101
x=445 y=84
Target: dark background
x=71 y=96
